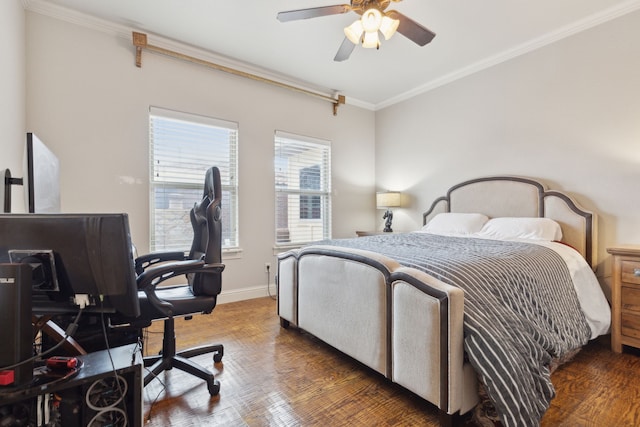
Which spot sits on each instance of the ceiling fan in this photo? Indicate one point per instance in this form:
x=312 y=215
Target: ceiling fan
x=373 y=19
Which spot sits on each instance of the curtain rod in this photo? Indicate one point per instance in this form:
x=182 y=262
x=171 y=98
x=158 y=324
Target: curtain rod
x=140 y=42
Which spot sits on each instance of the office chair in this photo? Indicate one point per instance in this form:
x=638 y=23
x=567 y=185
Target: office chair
x=203 y=268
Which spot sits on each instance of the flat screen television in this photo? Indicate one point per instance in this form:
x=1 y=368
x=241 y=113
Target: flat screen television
x=76 y=259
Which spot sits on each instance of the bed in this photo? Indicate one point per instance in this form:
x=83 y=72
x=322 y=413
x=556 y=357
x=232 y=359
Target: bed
x=494 y=292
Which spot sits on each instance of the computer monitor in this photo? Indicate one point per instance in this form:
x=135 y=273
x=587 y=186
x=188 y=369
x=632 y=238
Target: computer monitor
x=41 y=178
x=77 y=259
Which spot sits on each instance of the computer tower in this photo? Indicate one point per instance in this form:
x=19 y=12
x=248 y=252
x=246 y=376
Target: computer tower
x=106 y=392
x=107 y=399
x=15 y=324
x=105 y=389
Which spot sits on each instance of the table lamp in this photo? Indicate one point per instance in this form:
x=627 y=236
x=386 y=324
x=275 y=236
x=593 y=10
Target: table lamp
x=386 y=200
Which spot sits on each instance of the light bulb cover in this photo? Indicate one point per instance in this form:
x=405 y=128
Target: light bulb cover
x=371 y=20
x=388 y=26
x=354 y=32
x=371 y=40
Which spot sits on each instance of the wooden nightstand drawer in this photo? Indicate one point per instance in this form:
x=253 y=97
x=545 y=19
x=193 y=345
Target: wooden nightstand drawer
x=625 y=297
x=630 y=271
x=630 y=325
x=630 y=299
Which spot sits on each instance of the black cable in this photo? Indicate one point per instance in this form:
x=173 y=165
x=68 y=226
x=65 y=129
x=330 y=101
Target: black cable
x=113 y=366
x=71 y=329
x=273 y=297
x=163 y=388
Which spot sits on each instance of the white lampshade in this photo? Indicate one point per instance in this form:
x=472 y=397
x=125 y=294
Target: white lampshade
x=388 y=27
x=354 y=32
x=371 y=40
x=388 y=199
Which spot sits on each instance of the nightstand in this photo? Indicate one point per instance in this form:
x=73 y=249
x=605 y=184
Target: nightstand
x=625 y=296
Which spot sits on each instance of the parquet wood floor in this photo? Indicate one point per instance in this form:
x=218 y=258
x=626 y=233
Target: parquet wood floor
x=276 y=377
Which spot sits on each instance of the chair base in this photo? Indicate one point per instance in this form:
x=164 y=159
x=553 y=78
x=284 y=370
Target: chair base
x=169 y=359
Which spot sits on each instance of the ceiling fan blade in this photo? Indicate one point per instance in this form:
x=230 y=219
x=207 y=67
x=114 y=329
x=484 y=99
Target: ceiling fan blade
x=344 y=51
x=411 y=29
x=313 y=12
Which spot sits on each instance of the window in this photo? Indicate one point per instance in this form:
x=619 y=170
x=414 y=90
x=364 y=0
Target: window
x=303 y=189
x=310 y=206
x=182 y=147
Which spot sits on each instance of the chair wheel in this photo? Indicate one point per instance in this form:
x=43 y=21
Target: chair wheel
x=214 y=387
x=217 y=355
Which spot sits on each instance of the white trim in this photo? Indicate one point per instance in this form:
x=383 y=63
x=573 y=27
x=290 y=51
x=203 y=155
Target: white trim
x=544 y=40
x=192 y=118
x=297 y=138
x=246 y=293
x=64 y=14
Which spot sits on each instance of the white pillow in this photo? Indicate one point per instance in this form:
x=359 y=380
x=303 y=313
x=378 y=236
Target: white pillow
x=455 y=224
x=521 y=228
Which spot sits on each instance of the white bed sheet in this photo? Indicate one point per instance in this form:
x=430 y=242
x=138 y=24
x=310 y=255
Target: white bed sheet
x=592 y=300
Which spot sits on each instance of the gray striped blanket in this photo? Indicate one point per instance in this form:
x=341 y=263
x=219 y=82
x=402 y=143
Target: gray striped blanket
x=521 y=311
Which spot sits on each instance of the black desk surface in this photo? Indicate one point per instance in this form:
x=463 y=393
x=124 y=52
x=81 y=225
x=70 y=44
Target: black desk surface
x=94 y=365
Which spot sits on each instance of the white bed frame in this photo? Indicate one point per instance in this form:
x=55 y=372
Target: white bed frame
x=402 y=322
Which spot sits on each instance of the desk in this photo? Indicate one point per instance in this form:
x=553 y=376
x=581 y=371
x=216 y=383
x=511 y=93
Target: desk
x=89 y=398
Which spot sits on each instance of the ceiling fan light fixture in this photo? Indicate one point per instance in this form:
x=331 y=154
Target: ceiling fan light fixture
x=354 y=32
x=371 y=20
x=371 y=40
x=388 y=26
x=374 y=17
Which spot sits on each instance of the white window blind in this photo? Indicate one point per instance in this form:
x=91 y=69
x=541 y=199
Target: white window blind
x=182 y=147
x=303 y=189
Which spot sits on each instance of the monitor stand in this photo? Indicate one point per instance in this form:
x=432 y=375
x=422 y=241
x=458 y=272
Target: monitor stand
x=47 y=326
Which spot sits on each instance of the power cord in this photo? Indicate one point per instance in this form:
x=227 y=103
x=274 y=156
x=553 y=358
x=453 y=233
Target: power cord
x=71 y=329
x=273 y=297
x=116 y=377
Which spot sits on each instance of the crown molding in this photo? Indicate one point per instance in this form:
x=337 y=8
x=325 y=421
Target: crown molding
x=68 y=15
x=534 y=44
x=46 y=8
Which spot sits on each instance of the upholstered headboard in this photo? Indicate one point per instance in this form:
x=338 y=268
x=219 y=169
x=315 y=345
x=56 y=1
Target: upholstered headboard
x=511 y=196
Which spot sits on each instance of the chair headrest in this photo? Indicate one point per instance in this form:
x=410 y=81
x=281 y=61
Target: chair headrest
x=212 y=184
x=200 y=210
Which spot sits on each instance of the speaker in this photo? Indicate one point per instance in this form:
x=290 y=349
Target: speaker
x=15 y=324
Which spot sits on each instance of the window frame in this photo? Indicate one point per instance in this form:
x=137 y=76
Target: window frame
x=289 y=231
x=187 y=175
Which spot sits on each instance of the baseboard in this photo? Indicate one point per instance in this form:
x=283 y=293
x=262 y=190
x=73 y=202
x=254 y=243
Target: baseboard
x=246 y=293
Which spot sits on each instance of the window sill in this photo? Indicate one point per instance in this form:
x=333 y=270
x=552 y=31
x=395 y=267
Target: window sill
x=232 y=253
x=284 y=248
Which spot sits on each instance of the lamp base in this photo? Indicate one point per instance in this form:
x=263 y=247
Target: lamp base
x=388 y=215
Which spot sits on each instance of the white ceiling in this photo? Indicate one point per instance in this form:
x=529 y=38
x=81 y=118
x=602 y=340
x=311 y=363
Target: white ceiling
x=471 y=35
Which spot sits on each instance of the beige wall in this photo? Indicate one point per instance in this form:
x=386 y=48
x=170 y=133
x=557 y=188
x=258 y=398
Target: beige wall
x=88 y=101
x=12 y=92
x=568 y=113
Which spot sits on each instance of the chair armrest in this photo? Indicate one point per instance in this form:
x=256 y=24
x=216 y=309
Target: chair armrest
x=157 y=274
x=145 y=261
x=153 y=276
